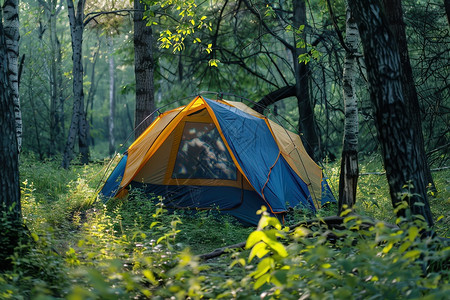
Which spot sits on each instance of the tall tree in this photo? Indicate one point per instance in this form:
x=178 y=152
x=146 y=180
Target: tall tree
x=112 y=96
x=447 y=10
x=394 y=14
x=12 y=36
x=52 y=9
x=143 y=69
x=10 y=210
x=348 y=179
x=402 y=155
x=78 y=125
x=306 y=123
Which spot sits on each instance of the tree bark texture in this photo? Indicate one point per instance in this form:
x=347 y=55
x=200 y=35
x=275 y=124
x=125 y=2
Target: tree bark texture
x=79 y=123
x=307 y=122
x=348 y=179
x=55 y=79
x=143 y=69
x=112 y=99
x=274 y=97
x=394 y=14
x=398 y=138
x=10 y=210
x=12 y=36
x=447 y=10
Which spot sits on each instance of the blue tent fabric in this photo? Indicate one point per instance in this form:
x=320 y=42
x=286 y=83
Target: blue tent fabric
x=275 y=184
x=258 y=155
x=111 y=186
x=239 y=203
x=327 y=195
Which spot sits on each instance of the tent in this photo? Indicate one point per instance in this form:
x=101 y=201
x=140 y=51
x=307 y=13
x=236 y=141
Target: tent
x=221 y=155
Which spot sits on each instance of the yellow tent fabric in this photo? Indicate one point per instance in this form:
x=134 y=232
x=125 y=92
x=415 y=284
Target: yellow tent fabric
x=224 y=150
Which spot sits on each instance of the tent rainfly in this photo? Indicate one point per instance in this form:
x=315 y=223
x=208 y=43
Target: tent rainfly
x=222 y=155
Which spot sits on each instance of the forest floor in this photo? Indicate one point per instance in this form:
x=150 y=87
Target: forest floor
x=135 y=249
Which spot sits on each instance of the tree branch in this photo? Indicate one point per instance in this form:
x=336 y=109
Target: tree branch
x=332 y=223
x=91 y=16
x=273 y=97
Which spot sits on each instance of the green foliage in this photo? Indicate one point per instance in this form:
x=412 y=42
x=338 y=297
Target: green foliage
x=135 y=248
x=184 y=23
x=356 y=262
x=312 y=53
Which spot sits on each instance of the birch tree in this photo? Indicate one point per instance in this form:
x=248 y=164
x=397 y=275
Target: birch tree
x=349 y=162
x=78 y=125
x=12 y=36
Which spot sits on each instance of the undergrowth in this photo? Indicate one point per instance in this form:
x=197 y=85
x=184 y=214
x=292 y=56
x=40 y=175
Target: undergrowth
x=135 y=249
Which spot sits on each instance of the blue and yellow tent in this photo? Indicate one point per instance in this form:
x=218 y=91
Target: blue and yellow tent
x=218 y=154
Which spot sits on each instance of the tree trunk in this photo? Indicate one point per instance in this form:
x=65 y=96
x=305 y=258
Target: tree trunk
x=394 y=14
x=396 y=132
x=93 y=88
x=447 y=10
x=60 y=134
x=349 y=163
x=143 y=69
x=56 y=132
x=112 y=100
x=10 y=210
x=79 y=123
x=273 y=97
x=307 y=122
x=12 y=36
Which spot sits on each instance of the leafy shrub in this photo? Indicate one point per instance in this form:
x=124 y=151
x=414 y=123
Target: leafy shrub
x=135 y=248
x=361 y=261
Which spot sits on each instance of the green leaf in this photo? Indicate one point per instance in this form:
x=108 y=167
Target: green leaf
x=349 y=218
x=266 y=221
x=413 y=232
x=278 y=247
x=261 y=280
x=214 y=62
x=36 y=237
x=263 y=266
x=413 y=254
x=388 y=247
x=404 y=246
x=254 y=237
x=149 y=275
x=259 y=250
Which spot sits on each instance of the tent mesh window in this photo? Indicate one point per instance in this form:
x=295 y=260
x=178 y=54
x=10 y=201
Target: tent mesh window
x=202 y=154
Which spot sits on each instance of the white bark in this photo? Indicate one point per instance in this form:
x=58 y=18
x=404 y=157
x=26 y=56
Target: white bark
x=349 y=164
x=12 y=36
x=79 y=124
x=349 y=74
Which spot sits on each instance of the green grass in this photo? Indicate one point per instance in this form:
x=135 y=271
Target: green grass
x=134 y=248
x=373 y=198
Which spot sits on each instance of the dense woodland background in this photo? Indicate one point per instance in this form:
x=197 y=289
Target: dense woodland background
x=254 y=61
x=88 y=72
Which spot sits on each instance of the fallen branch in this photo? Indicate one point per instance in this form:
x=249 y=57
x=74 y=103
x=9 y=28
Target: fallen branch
x=332 y=222
x=220 y=251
